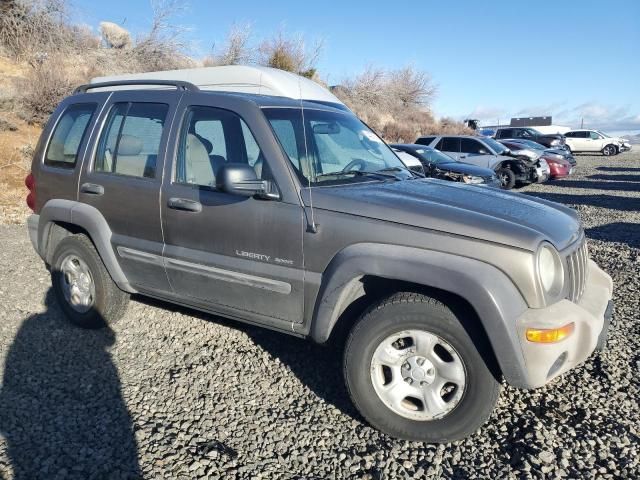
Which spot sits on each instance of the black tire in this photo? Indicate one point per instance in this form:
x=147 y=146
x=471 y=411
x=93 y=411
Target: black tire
x=507 y=178
x=609 y=150
x=403 y=311
x=109 y=303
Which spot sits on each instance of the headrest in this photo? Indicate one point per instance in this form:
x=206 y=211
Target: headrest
x=195 y=147
x=207 y=144
x=129 y=145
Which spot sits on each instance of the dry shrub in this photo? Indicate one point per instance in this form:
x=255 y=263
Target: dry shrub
x=290 y=54
x=236 y=49
x=46 y=84
x=114 y=35
x=395 y=103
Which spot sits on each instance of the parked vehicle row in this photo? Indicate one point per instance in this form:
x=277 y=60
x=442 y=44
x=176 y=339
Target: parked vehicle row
x=510 y=168
x=276 y=206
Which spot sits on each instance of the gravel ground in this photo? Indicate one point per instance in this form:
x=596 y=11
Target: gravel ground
x=170 y=393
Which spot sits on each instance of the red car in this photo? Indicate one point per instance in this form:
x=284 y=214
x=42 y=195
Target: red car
x=558 y=167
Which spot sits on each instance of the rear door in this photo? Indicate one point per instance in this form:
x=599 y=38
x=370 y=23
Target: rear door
x=122 y=180
x=237 y=255
x=450 y=146
x=474 y=152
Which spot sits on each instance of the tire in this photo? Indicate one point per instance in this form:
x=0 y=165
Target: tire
x=507 y=178
x=404 y=313
x=567 y=148
x=609 y=150
x=77 y=272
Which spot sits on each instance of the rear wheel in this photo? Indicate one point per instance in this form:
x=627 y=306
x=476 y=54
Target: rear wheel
x=609 y=150
x=82 y=285
x=414 y=372
x=507 y=178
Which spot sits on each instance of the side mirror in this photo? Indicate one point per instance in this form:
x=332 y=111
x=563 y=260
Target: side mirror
x=241 y=179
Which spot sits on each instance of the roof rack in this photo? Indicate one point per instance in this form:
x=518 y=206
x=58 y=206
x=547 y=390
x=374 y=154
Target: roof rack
x=179 y=84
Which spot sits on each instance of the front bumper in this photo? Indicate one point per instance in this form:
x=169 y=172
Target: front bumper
x=591 y=315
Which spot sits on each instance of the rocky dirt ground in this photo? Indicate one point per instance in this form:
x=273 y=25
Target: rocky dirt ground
x=171 y=393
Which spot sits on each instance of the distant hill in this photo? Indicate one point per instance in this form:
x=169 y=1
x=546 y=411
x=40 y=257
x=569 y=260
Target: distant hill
x=635 y=139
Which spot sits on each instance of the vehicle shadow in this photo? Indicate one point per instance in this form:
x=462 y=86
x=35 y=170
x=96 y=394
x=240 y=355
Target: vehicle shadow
x=621 y=232
x=62 y=412
x=603 y=201
x=318 y=367
x=597 y=185
x=620 y=178
x=618 y=169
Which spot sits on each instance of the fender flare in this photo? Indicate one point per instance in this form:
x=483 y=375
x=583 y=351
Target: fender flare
x=488 y=290
x=90 y=219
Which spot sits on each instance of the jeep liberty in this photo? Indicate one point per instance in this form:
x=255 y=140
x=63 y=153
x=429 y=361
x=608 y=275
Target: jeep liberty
x=290 y=213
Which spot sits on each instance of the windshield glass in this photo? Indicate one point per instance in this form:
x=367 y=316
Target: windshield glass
x=603 y=134
x=434 y=156
x=531 y=144
x=495 y=146
x=533 y=131
x=336 y=144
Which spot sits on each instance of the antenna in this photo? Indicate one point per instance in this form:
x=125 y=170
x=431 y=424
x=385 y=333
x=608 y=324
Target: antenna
x=312 y=171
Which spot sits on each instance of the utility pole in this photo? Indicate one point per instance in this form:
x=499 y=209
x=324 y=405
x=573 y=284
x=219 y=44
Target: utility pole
x=582 y=122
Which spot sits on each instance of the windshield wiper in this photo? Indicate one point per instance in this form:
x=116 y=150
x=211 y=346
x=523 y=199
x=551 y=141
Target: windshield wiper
x=357 y=173
x=400 y=169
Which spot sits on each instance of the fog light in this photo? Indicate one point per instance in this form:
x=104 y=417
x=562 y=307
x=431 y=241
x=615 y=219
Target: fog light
x=551 y=335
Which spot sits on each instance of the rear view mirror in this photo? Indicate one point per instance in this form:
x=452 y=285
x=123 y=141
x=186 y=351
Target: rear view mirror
x=241 y=179
x=329 y=128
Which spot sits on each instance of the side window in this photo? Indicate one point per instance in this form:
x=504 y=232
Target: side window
x=287 y=136
x=211 y=137
x=68 y=134
x=468 y=145
x=130 y=142
x=569 y=135
x=583 y=135
x=449 y=144
x=505 y=133
x=594 y=136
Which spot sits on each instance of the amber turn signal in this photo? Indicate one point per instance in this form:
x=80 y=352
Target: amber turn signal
x=551 y=335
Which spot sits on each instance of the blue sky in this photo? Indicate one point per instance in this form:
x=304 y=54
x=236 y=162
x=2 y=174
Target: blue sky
x=490 y=59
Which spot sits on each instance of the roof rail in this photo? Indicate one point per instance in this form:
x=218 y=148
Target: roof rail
x=179 y=84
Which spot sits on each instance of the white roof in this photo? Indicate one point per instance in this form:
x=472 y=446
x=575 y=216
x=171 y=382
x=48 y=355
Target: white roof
x=237 y=78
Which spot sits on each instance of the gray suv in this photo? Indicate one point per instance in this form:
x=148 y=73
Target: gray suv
x=291 y=214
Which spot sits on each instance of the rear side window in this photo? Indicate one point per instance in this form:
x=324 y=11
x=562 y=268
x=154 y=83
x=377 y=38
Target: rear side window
x=68 y=134
x=472 y=146
x=130 y=141
x=449 y=144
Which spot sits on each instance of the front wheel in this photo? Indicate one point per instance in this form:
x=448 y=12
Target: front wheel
x=609 y=150
x=507 y=178
x=414 y=372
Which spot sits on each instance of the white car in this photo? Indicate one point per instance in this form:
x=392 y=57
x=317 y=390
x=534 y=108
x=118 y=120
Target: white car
x=594 y=141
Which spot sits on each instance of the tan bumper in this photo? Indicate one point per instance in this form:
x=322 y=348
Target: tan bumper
x=545 y=361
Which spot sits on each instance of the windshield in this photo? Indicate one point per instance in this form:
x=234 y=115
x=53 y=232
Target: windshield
x=531 y=144
x=338 y=147
x=495 y=146
x=603 y=134
x=434 y=156
x=532 y=131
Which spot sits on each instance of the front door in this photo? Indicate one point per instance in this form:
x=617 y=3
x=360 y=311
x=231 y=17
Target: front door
x=122 y=178
x=236 y=254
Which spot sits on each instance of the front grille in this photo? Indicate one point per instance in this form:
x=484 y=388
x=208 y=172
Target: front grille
x=577 y=263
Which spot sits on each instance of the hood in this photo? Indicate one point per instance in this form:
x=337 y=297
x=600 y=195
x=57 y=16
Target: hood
x=465 y=169
x=478 y=212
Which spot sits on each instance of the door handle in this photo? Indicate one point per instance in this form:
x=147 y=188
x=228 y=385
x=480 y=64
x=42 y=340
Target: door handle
x=184 y=204
x=92 y=188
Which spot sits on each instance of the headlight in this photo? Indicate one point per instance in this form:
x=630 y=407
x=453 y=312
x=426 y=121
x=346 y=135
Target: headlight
x=550 y=270
x=556 y=142
x=472 y=179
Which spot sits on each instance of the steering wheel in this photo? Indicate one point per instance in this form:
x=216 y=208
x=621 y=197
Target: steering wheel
x=353 y=163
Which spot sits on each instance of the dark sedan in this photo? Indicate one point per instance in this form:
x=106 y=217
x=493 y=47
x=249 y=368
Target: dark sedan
x=436 y=164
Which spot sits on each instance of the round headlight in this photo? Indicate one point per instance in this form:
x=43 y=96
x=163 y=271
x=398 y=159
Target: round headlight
x=550 y=271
